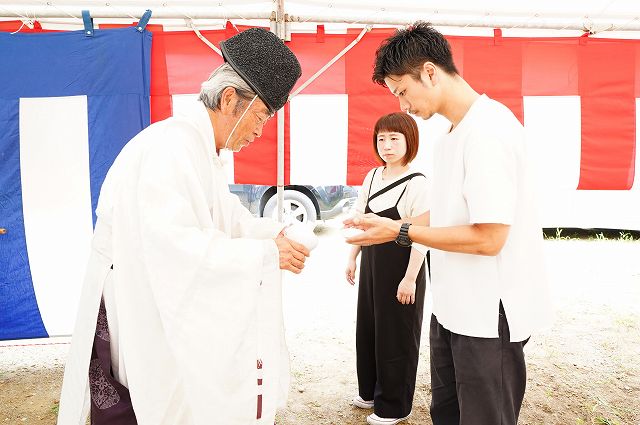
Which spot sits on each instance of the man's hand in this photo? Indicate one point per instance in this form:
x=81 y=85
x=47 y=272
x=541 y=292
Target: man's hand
x=292 y=254
x=376 y=229
x=406 y=291
x=351 y=271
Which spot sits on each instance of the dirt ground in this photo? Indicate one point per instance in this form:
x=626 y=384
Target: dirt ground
x=584 y=370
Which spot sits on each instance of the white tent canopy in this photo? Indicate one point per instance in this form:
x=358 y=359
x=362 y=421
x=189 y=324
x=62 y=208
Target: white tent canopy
x=594 y=16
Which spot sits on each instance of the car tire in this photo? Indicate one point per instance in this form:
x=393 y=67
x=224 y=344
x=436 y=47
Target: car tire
x=297 y=207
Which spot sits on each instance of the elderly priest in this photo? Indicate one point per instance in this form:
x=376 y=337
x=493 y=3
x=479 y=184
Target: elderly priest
x=180 y=318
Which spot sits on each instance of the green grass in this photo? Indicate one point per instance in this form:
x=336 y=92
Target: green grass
x=604 y=421
x=54 y=409
x=569 y=233
x=628 y=321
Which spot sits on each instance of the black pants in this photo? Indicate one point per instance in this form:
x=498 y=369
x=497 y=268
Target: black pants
x=387 y=332
x=476 y=381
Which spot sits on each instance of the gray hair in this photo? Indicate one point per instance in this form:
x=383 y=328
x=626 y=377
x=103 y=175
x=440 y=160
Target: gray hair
x=222 y=77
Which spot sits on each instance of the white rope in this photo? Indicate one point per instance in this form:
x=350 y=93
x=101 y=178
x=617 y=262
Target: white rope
x=25 y=19
x=370 y=16
x=18 y=30
x=226 y=143
x=204 y=40
x=604 y=9
x=331 y=62
x=11 y=12
x=121 y=11
x=621 y=27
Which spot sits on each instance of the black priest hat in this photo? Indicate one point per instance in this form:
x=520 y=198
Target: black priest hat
x=265 y=63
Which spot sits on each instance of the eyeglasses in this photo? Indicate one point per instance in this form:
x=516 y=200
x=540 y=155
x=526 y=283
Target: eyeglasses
x=261 y=118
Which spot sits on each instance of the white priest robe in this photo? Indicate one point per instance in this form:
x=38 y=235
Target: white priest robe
x=194 y=298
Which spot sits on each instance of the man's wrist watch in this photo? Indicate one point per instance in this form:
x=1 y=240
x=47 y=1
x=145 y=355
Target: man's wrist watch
x=403 y=237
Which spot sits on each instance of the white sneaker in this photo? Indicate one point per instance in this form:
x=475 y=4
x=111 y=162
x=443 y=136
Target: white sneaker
x=374 y=419
x=362 y=403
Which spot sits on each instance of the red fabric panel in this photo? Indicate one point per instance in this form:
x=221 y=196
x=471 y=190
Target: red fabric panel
x=12 y=26
x=257 y=164
x=550 y=67
x=494 y=67
x=457 y=51
x=367 y=102
x=160 y=98
x=608 y=115
x=314 y=54
x=637 y=70
x=189 y=60
x=364 y=111
x=287 y=146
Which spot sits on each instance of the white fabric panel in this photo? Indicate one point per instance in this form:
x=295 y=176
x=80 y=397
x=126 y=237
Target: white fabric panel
x=553 y=137
x=553 y=130
x=319 y=133
x=56 y=198
x=553 y=134
x=636 y=179
x=180 y=104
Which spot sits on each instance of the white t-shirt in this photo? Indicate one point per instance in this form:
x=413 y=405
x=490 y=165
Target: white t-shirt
x=415 y=201
x=481 y=175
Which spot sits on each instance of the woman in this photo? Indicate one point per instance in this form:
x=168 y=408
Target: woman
x=392 y=278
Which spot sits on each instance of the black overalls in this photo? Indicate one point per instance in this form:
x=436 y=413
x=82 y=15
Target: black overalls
x=388 y=332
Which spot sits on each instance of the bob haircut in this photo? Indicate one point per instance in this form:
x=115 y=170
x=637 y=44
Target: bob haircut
x=398 y=122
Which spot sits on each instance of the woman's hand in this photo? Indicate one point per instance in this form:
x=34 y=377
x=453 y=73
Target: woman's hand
x=376 y=229
x=406 y=291
x=351 y=271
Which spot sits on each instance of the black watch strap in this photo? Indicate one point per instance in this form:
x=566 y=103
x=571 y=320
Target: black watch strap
x=403 y=238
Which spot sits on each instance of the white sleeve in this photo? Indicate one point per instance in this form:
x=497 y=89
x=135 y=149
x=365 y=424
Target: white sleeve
x=363 y=194
x=418 y=202
x=176 y=247
x=418 y=196
x=246 y=225
x=490 y=178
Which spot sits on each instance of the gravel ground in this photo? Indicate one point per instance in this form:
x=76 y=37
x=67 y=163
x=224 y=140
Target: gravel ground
x=584 y=370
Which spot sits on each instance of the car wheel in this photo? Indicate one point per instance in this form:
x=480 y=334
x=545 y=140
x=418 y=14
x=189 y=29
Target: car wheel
x=297 y=207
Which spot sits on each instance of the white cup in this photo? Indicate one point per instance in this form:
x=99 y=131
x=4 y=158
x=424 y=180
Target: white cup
x=349 y=232
x=303 y=234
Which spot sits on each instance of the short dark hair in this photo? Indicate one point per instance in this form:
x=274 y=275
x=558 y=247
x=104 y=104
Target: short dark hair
x=405 y=52
x=398 y=122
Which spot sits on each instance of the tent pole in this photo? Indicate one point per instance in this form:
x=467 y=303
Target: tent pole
x=280 y=32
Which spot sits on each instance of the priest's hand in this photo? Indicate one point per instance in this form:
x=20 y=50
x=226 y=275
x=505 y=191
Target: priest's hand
x=292 y=254
x=376 y=229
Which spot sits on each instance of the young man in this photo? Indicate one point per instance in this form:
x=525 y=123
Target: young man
x=183 y=281
x=487 y=278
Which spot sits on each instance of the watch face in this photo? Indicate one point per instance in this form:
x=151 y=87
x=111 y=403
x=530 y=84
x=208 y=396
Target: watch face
x=403 y=240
